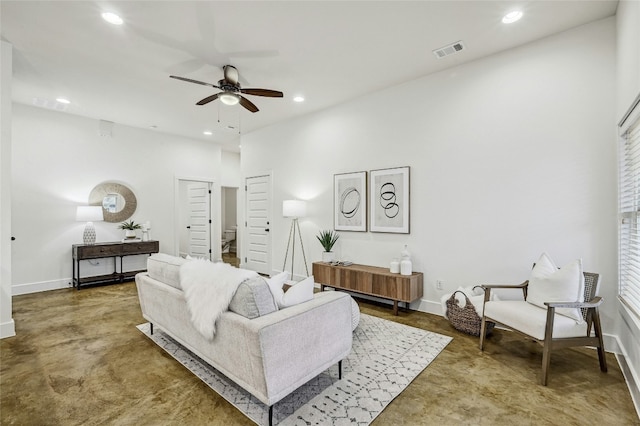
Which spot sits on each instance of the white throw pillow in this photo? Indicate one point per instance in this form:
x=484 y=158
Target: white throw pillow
x=298 y=293
x=275 y=285
x=550 y=284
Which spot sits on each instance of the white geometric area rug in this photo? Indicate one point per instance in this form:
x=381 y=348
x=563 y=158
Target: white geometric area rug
x=384 y=360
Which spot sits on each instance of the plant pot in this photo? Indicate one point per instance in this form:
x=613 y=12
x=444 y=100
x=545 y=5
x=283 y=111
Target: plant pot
x=129 y=233
x=327 y=256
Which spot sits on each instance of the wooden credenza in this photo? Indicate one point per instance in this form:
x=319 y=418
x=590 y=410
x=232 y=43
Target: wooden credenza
x=370 y=280
x=109 y=250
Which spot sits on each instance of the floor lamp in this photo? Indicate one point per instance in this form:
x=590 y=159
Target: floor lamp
x=294 y=209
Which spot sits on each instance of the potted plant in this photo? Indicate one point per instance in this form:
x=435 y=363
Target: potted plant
x=129 y=228
x=327 y=239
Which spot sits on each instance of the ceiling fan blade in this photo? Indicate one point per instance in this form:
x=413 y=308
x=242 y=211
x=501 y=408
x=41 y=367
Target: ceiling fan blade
x=248 y=104
x=188 y=80
x=208 y=99
x=262 y=92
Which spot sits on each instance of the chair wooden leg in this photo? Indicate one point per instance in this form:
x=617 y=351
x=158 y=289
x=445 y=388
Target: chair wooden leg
x=601 y=354
x=483 y=328
x=546 y=350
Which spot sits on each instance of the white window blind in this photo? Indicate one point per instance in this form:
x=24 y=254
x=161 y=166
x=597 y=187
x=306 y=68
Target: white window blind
x=629 y=194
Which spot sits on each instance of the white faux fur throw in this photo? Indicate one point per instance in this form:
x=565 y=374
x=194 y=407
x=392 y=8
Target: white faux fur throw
x=208 y=288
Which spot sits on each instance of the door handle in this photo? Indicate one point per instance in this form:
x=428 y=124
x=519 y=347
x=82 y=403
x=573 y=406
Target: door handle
x=188 y=227
x=266 y=230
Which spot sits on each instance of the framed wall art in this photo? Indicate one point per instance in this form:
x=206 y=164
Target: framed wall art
x=389 y=200
x=350 y=201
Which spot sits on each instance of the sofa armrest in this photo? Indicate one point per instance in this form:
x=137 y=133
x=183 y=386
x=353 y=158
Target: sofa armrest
x=301 y=341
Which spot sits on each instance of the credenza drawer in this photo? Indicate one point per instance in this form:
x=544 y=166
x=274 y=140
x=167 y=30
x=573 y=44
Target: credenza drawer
x=140 y=247
x=85 y=252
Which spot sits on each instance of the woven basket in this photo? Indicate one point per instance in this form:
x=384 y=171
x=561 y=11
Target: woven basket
x=465 y=319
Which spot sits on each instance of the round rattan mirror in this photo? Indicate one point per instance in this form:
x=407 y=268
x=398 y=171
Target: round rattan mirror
x=117 y=200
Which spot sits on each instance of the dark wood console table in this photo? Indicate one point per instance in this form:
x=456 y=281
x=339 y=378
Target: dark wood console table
x=107 y=250
x=370 y=280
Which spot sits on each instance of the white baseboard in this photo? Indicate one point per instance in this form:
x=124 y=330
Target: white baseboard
x=7 y=329
x=40 y=286
x=632 y=382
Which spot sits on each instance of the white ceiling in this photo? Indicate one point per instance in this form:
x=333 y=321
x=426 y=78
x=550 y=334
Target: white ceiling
x=327 y=51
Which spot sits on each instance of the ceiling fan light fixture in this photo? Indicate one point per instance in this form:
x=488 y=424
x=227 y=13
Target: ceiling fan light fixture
x=229 y=98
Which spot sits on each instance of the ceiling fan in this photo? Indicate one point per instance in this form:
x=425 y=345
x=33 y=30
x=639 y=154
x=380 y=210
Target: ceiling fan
x=231 y=90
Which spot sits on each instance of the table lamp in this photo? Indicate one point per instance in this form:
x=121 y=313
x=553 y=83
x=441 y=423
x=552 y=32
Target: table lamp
x=89 y=214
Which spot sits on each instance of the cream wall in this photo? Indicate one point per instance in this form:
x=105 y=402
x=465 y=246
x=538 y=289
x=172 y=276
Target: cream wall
x=510 y=156
x=57 y=160
x=628 y=88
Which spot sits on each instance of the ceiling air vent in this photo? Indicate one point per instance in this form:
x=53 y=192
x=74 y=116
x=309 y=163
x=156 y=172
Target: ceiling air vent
x=449 y=50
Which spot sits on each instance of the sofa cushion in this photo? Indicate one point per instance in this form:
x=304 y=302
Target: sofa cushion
x=276 y=283
x=298 y=293
x=165 y=268
x=253 y=299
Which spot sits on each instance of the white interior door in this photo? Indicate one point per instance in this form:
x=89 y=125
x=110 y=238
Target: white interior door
x=199 y=204
x=257 y=214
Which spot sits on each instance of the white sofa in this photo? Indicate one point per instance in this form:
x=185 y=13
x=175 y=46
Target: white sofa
x=269 y=356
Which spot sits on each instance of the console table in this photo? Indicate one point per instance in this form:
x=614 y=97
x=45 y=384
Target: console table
x=370 y=280
x=107 y=250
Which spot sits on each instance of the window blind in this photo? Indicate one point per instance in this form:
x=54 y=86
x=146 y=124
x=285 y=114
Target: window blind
x=629 y=210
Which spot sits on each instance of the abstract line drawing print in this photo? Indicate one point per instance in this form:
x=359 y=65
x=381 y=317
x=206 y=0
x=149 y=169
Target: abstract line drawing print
x=350 y=202
x=390 y=200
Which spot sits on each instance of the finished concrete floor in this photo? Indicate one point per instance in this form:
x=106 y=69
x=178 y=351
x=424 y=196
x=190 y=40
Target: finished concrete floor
x=78 y=359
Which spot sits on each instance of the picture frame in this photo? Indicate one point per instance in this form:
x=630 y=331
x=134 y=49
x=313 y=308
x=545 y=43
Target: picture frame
x=389 y=198
x=350 y=201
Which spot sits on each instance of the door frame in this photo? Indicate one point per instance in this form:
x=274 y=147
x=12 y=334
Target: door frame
x=243 y=209
x=214 y=208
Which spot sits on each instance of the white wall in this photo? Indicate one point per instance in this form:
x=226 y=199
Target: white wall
x=57 y=160
x=628 y=78
x=7 y=326
x=510 y=156
x=230 y=171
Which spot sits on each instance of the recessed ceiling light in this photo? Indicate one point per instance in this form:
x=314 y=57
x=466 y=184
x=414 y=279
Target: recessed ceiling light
x=298 y=99
x=512 y=17
x=112 y=18
x=207 y=132
x=239 y=146
x=63 y=101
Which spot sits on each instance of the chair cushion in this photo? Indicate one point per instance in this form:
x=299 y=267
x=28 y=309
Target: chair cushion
x=550 y=284
x=253 y=299
x=531 y=319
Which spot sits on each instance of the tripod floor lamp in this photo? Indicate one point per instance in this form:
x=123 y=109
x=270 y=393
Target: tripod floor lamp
x=294 y=209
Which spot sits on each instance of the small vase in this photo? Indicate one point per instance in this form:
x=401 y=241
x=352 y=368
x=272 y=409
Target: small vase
x=394 y=267
x=130 y=233
x=405 y=265
x=327 y=256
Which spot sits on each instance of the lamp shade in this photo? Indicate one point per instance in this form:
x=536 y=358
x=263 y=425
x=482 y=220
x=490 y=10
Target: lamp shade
x=294 y=208
x=89 y=214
